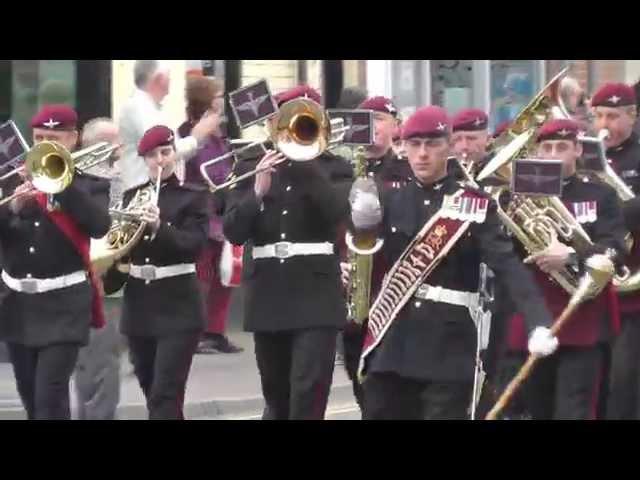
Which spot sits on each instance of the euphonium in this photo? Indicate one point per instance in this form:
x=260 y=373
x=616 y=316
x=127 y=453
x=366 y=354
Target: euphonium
x=536 y=221
x=362 y=247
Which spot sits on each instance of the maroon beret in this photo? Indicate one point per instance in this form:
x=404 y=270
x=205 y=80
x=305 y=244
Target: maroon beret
x=560 y=129
x=501 y=128
x=155 y=137
x=614 y=95
x=379 y=104
x=470 y=119
x=297 y=92
x=55 y=117
x=428 y=121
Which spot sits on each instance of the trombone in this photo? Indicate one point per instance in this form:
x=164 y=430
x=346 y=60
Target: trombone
x=301 y=130
x=50 y=166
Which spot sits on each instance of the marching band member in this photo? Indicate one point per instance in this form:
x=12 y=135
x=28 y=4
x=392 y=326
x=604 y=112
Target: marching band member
x=52 y=301
x=420 y=361
x=389 y=171
x=614 y=108
x=469 y=140
x=566 y=385
x=163 y=315
x=293 y=297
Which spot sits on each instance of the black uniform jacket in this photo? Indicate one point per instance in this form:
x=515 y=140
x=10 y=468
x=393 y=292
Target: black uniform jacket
x=172 y=304
x=436 y=341
x=306 y=203
x=33 y=245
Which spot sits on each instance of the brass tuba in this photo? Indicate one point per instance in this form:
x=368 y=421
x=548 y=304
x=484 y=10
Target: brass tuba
x=536 y=221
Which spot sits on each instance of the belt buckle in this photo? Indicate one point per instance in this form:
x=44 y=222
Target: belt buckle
x=29 y=285
x=148 y=272
x=282 y=249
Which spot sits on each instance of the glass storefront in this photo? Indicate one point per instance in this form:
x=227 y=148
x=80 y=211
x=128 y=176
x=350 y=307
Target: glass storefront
x=26 y=85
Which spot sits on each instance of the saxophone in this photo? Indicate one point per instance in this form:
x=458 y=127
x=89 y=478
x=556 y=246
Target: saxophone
x=360 y=258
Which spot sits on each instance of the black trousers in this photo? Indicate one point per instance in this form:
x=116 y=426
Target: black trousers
x=353 y=340
x=566 y=385
x=42 y=378
x=391 y=397
x=296 y=371
x=624 y=390
x=162 y=366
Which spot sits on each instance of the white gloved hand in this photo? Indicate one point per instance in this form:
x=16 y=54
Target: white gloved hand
x=542 y=342
x=366 y=211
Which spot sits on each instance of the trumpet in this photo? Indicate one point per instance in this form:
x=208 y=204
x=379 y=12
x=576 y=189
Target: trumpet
x=302 y=131
x=50 y=166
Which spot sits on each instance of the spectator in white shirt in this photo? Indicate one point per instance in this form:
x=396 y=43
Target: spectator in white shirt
x=144 y=110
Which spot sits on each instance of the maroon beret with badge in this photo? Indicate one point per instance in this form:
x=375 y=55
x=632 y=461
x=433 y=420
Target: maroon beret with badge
x=55 y=117
x=379 y=104
x=614 y=95
x=155 y=137
x=560 y=129
x=298 y=92
x=431 y=121
x=469 y=120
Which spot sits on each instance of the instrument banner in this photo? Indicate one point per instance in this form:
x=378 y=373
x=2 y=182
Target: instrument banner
x=434 y=241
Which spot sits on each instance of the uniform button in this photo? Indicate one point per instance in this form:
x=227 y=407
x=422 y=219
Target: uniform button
x=36 y=224
x=32 y=250
x=146 y=260
x=146 y=237
x=282 y=260
x=288 y=188
x=169 y=223
x=427 y=202
x=417 y=304
x=283 y=235
x=147 y=282
x=28 y=275
x=284 y=212
x=393 y=229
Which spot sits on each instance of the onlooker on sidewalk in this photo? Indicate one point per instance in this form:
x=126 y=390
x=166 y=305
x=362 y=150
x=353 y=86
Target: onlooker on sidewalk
x=206 y=95
x=142 y=111
x=97 y=376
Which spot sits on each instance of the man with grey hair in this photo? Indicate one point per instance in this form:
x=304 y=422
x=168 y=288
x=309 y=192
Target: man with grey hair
x=97 y=377
x=144 y=110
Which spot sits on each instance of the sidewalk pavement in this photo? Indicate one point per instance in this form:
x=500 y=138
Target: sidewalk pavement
x=220 y=386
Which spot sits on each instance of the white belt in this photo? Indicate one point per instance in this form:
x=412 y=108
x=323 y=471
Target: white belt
x=151 y=272
x=288 y=249
x=440 y=294
x=41 y=285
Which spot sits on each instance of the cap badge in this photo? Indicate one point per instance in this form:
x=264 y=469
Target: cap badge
x=614 y=99
x=564 y=132
x=441 y=126
x=477 y=122
x=51 y=123
x=390 y=108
